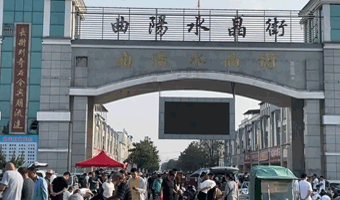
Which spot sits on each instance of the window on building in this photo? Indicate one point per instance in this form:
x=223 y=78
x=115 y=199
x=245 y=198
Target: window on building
x=284 y=113
x=284 y=135
x=278 y=137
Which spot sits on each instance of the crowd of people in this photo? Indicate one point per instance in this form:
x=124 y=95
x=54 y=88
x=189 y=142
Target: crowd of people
x=25 y=184
x=314 y=188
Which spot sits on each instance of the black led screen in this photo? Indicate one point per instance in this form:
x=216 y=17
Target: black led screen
x=196 y=118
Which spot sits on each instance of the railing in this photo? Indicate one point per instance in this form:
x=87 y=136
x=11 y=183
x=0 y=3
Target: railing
x=196 y=25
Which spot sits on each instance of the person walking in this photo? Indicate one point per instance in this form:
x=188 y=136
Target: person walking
x=59 y=186
x=137 y=186
x=151 y=191
x=123 y=189
x=11 y=183
x=28 y=187
x=93 y=181
x=322 y=183
x=156 y=186
x=48 y=179
x=83 y=181
x=168 y=187
x=108 y=187
x=305 y=188
x=40 y=185
x=315 y=181
x=231 y=188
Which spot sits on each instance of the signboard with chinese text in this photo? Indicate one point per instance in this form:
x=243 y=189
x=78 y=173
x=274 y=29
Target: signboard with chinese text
x=20 y=78
x=247 y=158
x=275 y=155
x=264 y=156
x=26 y=145
x=255 y=157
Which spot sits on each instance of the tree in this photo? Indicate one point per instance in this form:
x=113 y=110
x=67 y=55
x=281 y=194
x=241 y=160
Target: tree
x=145 y=155
x=18 y=161
x=192 y=158
x=212 y=151
x=171 y=164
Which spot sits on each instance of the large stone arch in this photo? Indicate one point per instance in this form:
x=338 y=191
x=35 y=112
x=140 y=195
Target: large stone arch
x=305 y=106
x=195 y=80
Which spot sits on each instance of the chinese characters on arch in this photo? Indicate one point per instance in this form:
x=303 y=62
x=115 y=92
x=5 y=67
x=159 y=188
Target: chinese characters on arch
x=159 y=26
x=18 y=121
x=160 y=60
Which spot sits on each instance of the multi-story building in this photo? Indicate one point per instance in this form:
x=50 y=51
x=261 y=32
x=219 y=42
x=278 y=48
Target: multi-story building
x=263 y=138
x=107 y=139
x=124 y=144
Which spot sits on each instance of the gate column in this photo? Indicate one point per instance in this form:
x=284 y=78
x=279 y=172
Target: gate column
x=313 y=139
x=331 y=117
x=297 y=145
x=306 y=137
x=82 y=120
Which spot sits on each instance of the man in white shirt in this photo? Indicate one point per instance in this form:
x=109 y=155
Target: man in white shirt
x=11 y=183
x=322 y=183
x=108 y=187
x=305 y=188
x=315 y=181
x=205 y=187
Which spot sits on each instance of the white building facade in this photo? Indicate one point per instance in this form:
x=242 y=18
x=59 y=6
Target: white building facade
x=263 y=138
x=115 y=143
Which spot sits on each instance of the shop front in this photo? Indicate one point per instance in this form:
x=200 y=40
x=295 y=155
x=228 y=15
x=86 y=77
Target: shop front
x=247 y=162
x=241 y=162
x=285 y=150
x=254 y=158
x=264 y=157
x=275 y=155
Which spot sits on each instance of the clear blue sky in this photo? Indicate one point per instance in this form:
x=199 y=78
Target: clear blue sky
x=139 y=115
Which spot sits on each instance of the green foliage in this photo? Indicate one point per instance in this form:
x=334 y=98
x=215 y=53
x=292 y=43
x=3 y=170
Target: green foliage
x=212 y=151
x=145 y=155
x=18 y=161
x=205 y=153
x=172 y=163
x=191 y=158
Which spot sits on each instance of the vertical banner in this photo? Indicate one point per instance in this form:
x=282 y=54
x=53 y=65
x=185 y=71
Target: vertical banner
x=20 y=79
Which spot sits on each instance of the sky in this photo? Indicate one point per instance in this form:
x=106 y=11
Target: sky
x=139 y=115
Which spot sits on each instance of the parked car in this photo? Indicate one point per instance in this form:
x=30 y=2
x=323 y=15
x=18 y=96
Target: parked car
x=332 y=185
x=218 y=171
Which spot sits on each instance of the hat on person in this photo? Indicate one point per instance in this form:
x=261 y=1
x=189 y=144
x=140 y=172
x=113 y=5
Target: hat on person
x=50 y=171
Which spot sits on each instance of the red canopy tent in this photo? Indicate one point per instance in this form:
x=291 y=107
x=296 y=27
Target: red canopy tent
x=101 y=160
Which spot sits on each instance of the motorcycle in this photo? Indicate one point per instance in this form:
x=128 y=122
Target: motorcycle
x=189 y=193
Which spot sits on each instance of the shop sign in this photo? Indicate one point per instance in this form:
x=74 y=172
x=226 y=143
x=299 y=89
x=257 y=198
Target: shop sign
x=247 y=158
x=255 y=157
x=275 y=154
x=264 y=156
x=20 y=78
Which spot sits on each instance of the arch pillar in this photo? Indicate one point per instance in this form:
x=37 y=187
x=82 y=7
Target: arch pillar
x=82 y=117
x=306 y=141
